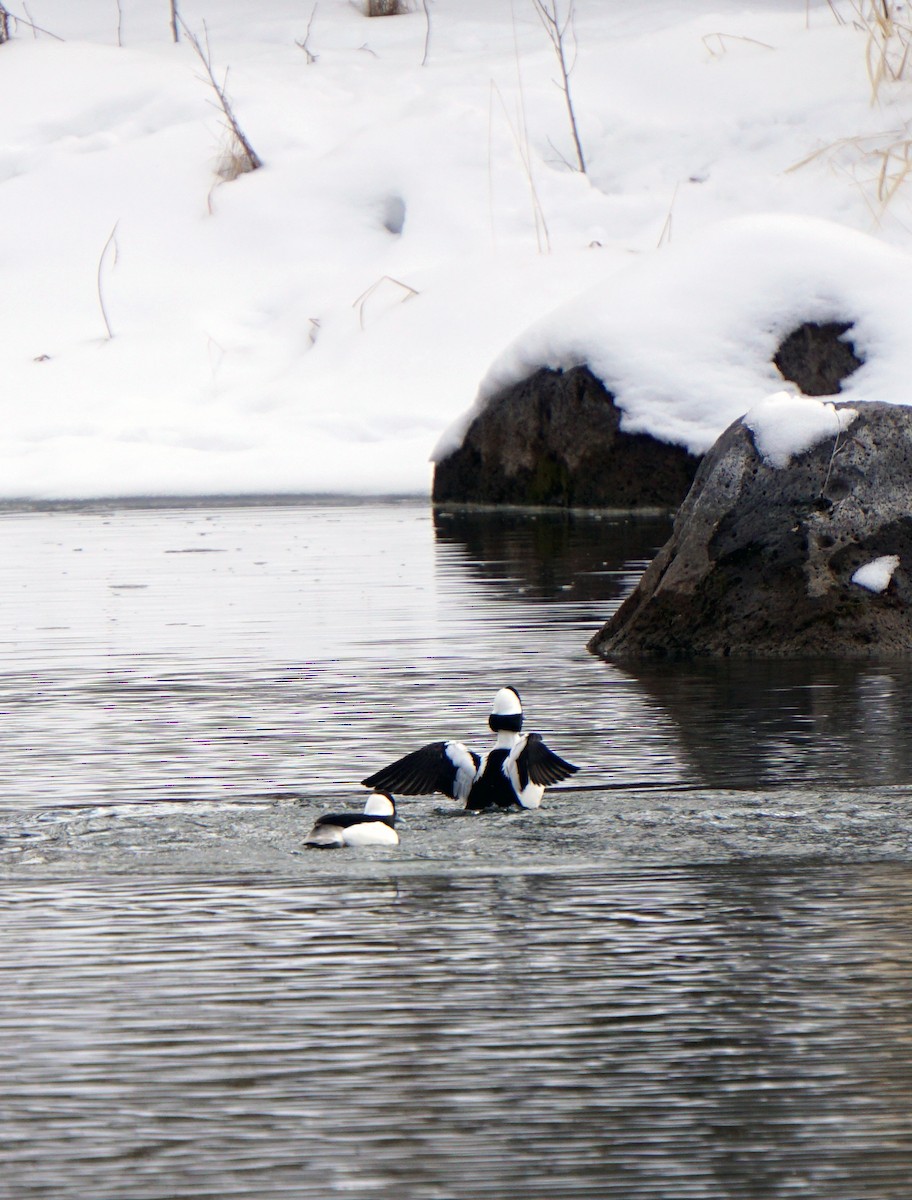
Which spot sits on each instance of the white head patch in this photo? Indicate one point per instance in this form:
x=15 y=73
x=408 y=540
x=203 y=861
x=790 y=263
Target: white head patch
x=379 y=805
x=506 y=703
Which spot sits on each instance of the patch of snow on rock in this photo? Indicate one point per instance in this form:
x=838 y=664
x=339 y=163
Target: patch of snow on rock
x=785 y=425
x=876 y=575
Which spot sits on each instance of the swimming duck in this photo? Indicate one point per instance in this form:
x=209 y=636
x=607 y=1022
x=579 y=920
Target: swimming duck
x=515 y=771
x=373 y=827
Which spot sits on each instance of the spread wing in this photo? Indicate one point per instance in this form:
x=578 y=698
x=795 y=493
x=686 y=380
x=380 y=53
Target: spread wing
x=447 y=767
x=535 y=763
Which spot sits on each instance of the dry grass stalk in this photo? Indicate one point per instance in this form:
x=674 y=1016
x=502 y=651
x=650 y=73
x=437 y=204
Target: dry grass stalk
x=4 y=25
x=888 y=50
x=665 y=235
x=722 y=38
x=888 y=155
x=366 y=295
x=521 y=139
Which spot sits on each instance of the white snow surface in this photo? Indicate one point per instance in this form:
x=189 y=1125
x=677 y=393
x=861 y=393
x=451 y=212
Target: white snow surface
x=876 y=575
x=785 y=424
x=322 y=323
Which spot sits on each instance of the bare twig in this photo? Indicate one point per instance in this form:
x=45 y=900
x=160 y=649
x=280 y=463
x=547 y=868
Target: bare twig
x=246 y=158
x=836 y=449
x=175 y=22
x=4 y=25
x=119 y=23
x=311 y=58
x=840 y=19
x=561 y=157
x=426 y=4
x=557 y=29
x=112 y=241
x=36 y=29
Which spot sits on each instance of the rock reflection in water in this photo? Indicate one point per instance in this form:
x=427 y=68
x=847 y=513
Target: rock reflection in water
x=721 y=723
x=551 y=555
x=761 y=724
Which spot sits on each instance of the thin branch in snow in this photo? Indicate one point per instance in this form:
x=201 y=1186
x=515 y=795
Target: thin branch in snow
x=561 y=157
x=243 y=157
x=557 y=30
x=4 y=25
x=112 y=241
x=36 y=29
x=311 y=58
x=175 y=22
x=426 y=4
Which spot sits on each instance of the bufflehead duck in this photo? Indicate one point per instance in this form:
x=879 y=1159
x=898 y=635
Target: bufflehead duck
x=515 y=771
x=373 y=827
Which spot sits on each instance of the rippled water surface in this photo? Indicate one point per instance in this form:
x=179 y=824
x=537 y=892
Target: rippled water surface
x=687 y=975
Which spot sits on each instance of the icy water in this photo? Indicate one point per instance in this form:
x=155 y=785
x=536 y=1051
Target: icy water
x=687 y=976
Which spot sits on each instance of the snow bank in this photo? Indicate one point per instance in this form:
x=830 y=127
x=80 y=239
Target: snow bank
x=684 y=336
x=317 y=325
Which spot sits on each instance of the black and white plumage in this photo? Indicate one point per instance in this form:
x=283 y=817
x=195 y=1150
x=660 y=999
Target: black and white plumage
x=515 y=771
x=373 y=827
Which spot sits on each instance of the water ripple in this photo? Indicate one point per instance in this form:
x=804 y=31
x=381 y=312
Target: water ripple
x=699 y=1033
x=690 y=983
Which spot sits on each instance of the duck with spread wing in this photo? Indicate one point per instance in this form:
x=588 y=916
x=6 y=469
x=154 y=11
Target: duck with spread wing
x=513 y=773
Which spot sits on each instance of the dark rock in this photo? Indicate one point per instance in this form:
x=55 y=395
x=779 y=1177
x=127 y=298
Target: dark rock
x=761 y=559
x=555 y=439
x=818 y=357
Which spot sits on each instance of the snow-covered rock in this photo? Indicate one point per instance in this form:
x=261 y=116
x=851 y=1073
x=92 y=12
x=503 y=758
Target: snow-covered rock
x=768 y=550
x=556 y=439
x=689 y=337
